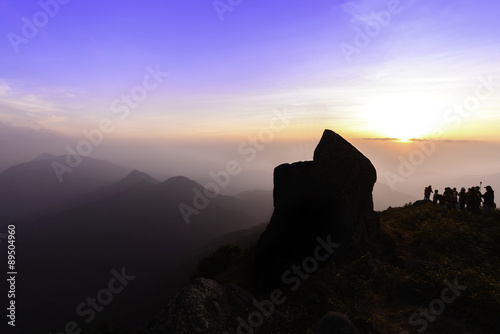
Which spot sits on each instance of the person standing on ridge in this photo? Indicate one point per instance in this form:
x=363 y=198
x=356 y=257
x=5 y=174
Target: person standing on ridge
x=468 y=201
x=462 y=198
x=448 y=198
x=476 y=200
x=455 y=198
x=435 y=197
x=427 y=192
x=489 y=200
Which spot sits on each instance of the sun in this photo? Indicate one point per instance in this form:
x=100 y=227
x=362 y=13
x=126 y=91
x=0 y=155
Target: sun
x=403 y=116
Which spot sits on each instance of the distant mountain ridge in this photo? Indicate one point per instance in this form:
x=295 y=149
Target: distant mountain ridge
x=135 y=177
x=45 y=156
x=105 y=217
x=33 y=186
x=133 y=222
x=384 y=197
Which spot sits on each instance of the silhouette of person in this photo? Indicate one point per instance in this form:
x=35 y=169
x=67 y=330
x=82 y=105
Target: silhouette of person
x=475 y=200
x=462 y=198
x=448 y=198
x=468 y=201
x=455 y=198
x=489 y=200
x=435 y=197
x=427 y=192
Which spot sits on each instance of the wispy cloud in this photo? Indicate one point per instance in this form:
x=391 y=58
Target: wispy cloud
x=382 y=139
x=361 y=10
x=4 y=89
x=29 y=103
x=21 y=103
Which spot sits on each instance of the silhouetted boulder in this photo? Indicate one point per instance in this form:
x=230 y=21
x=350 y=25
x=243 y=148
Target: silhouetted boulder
x=204 y=306
x=329 y=197
x=422 y=202
x=335 y=323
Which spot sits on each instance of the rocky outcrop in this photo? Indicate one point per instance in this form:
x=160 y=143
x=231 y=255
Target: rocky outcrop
x=206 y=306
x=422 y=202
x=329 y=197
x=317 y=205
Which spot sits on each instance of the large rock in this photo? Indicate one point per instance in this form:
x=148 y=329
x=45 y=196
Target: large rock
x=329 y=197
x=206 y=306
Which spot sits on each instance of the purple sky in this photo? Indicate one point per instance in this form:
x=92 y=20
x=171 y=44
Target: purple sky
x=262 y=55
x=229 y=72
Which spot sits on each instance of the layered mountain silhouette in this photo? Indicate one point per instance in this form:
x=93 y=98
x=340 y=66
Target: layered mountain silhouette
x=135 y=223
x=33 y=186
x=328 y=263
x=45 y=156
x=135 y=177
x=103 y=217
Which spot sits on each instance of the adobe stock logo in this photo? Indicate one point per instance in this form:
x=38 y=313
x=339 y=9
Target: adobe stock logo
x=436 y=306
x=30 y=28
x=454 y=116
x=120 y=106
x=292 y=277
x=221 y=7
x=372 y=29
x=222 y=178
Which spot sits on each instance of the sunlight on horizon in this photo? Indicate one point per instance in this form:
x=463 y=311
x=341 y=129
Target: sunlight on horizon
x=404 y=115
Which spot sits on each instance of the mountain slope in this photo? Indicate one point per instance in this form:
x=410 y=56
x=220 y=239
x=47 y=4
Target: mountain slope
x=71 y=254
x=388 y=285
x=135 y=177
x=384 y=197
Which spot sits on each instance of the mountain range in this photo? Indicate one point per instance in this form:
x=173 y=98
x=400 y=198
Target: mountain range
x=85 y=227
x=72 y=235
x=33 y=186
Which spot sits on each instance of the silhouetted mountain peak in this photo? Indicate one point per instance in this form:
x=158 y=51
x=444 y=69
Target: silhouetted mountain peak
x=180 y=181
x=45 y=156
x=137 y=176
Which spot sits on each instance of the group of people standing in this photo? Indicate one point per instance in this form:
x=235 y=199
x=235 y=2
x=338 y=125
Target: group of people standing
x=469 y=200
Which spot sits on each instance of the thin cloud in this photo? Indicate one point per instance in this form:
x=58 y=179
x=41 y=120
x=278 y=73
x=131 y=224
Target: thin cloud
x=382 y=139
x=4 y=90
x=361 y=10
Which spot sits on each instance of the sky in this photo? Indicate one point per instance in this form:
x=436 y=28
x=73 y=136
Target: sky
x=189 y=81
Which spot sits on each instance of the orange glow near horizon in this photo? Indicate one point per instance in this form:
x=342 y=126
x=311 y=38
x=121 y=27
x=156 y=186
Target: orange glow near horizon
x=386 y=124
x=403 y=116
